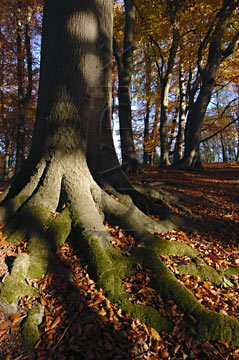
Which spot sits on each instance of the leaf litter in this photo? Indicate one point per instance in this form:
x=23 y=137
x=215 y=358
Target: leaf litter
x=81 y=323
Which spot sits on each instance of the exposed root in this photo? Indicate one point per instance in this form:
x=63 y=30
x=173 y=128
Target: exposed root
x=13 y=199
x=164 y=197
x=209 y=324
x=110 y=268
x=86 y=206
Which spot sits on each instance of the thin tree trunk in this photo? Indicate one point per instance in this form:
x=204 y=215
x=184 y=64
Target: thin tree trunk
x=155 y=133
x=224 y=153
x=23 y=95
x=237 y=157
x=164 y=145
x=165 y=85
x=178 y=153
x=125 y=65
x=147 y=144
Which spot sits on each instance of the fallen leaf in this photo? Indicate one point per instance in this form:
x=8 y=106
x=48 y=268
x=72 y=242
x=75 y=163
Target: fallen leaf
x=15 y=317
x=155 y=334
x=102 y=312
x=56 y=322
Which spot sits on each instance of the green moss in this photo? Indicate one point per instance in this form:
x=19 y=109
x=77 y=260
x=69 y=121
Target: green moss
x=60 y=229
x=164 y=247
x=110 y=267
x=231 y=271
x=27 y=220
x=210 y=325
x=40 y=255
x=213 y=326
x=11 y=227
x=15 y=284
x=200 y=268
x=30 y=327
x=169 y=287
x=150 y=316
x=18 y=235
x=38 y=268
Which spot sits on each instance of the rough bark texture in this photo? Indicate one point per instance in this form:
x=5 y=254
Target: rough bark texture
x=72 y=142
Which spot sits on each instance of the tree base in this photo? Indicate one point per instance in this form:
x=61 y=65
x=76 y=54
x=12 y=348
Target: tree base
x=50 y=210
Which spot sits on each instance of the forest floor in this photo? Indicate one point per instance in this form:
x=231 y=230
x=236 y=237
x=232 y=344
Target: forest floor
x=81 y=323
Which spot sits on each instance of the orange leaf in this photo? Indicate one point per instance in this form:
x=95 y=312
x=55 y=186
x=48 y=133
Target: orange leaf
x=3 y=240
x=107 y=304
x=10 y=253
x=207 y=285
x=55 y=322
x=47 y=312
x=37 y=344
x=43 y=301
x=15 y=317
x=4 y=326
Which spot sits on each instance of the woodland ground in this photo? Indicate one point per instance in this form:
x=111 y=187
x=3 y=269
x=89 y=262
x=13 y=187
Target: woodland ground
x=80 y=323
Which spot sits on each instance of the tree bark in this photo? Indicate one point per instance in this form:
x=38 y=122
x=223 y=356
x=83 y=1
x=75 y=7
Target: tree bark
x=125 y=67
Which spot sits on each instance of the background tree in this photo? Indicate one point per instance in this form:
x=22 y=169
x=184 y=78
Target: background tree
x=211 y=53
x=22 y=99
x=20 y=31
x=164 y=66
x=124 y=59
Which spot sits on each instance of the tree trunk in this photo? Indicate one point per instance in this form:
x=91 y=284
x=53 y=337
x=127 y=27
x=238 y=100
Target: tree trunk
x=155 y=132
x=207 y=69
x=178 y=152
x=196 y=114
x=23 y=99
x=125 y=66
x=164 y=157
x=147 y=144
x=6 y=168
x=237 y=156
x=72 y=147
